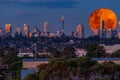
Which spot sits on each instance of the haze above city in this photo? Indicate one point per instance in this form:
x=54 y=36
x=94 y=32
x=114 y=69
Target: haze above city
x=36 y=12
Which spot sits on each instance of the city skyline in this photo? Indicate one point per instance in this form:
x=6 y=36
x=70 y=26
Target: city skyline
x=19 y=12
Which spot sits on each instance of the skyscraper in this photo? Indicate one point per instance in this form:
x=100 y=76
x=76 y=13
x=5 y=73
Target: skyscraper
x=18 y=32
x=102 y=30
x=36 y=32
x=109 y=33
x=26 y=30
x=72 y=34
x=8 y=29
x=80 y=31
x=45 y=29
x=58 y=33
x=51 y=35
x=119 y=29
x=1 y=32
x=30 y=34
x=62 y=19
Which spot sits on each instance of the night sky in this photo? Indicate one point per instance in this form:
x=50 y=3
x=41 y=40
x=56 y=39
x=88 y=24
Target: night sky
x=35 y=12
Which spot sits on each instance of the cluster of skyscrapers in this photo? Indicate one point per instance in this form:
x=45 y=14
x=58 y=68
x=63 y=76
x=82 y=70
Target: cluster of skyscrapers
x=36 y=32
x=79 y=33
x=109 y=33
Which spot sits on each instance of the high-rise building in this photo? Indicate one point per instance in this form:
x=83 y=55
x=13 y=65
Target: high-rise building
x=109 y=33
x=8 y=29
x=45 y=29
x=51 y=35
x=26 y=30
x=1 y=32
x=72 y=34
x=96 y=32
x=80 y=31
x=30 y=34
x=58 y=33
x=62 y=19
x=114 y=33
x=102 y=30
x=18 y=32
x=119 y=29
x=36 y=32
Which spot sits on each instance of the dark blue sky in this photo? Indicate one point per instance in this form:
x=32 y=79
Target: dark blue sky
x=35 y=12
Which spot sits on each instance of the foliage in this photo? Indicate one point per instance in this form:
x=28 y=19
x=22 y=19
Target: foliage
x=67 y=52
x=94 y=50
x=63 y=68
x=115 y=54
x=8 y=56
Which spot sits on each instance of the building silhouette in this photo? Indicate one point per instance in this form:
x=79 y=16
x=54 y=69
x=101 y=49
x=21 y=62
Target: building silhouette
x=8 y=29
x=45 y=29
x=80 y=31
x=36 y=32
x=62 y=20
x=26 y=30
x=119 y=29
x=1 y=32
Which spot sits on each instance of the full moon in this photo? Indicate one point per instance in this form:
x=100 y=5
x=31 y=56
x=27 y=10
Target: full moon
x=107 y=15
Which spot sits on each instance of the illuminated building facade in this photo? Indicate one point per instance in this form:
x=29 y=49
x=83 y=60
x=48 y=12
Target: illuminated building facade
x=109 y=33
x=62 y=19
x=8 y=29
x=80 y=31
x=58 y=33
x=45 y=29
x=26 y=30
x=30 y=34
x=119 y=29
x=1 y=32
x=51 y=35
x=36 y=32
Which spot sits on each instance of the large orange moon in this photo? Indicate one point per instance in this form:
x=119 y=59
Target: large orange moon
x=109 y=17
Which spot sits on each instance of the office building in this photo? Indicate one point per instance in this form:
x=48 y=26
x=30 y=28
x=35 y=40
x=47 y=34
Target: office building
x=119 y=29
x=18 y=31
x=80 y=31
x=109 y=33
x=30 y=34
x=58 y=33
x=36 y=32
x=102 y=31
x=72 y=34
x=26 y=30
x=62 y=19
x=114 y=33
x=1 y=32
x=45 y=29
x=8 y=29
x=51 y=35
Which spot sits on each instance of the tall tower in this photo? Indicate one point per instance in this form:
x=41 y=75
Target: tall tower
x=62 y=19
x=119 y=29
x=36 y=32
x=102 y=30
x=80 y=31
x=26 y=30
x=58 y=33
x=109 y=33
x=8 y=29
x=1 y=32
x=30 y=34
x=18 y=30
x=45 y=29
